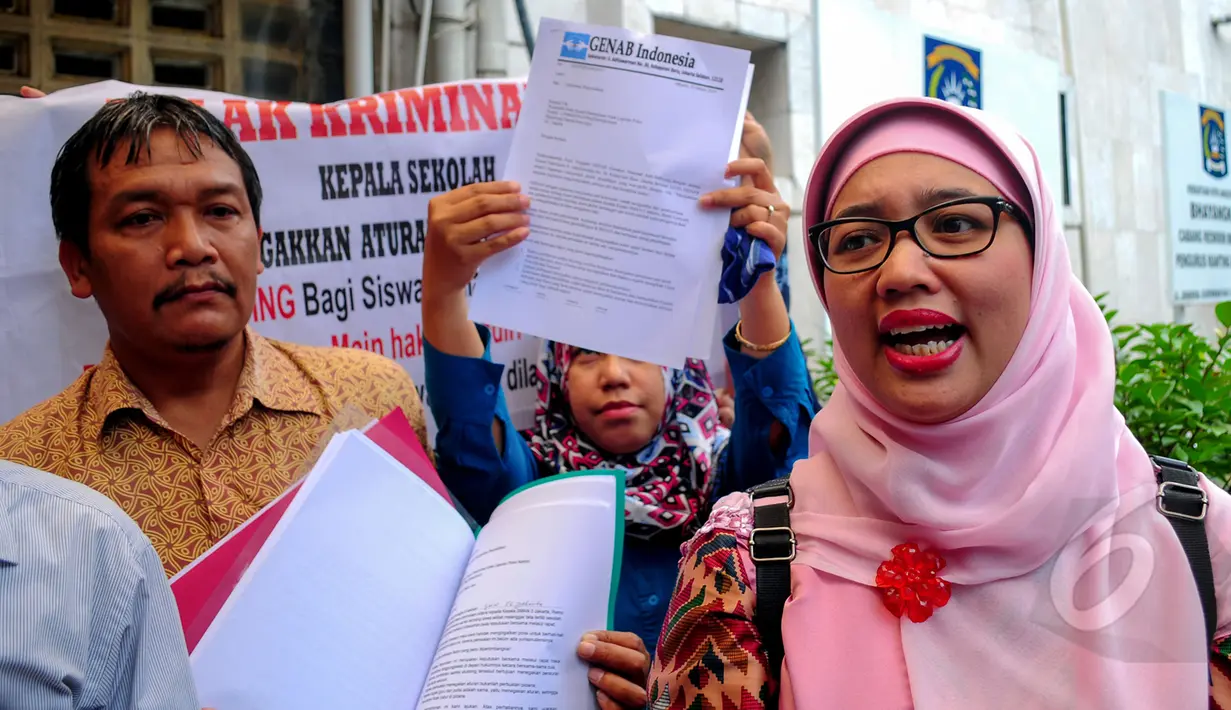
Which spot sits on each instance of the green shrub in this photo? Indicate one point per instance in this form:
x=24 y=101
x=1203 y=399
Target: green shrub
x=1174 y=388
x=1172 y=385
x=820 y=366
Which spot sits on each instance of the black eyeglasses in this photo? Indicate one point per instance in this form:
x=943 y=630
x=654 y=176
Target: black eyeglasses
x=962 y=227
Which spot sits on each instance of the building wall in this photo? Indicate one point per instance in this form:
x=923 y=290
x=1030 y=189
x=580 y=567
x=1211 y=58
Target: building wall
x=1113 y=58
x=274 y=49
x=1120 y=60
x=1117 y=56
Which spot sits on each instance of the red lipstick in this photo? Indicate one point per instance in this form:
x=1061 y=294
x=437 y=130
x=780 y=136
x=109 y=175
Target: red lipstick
x=915 y=318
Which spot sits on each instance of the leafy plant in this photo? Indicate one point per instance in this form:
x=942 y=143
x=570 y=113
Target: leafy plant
x=1174 y=388
x=820 y=366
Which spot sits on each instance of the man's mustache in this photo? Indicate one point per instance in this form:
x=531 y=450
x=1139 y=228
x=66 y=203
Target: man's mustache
x=182 y=287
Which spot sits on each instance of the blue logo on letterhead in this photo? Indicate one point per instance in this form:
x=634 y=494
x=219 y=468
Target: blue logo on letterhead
x=952 y=72
x=575 y=45
x=1214 y=141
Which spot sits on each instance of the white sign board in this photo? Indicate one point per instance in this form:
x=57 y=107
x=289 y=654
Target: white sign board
x=1198 y=199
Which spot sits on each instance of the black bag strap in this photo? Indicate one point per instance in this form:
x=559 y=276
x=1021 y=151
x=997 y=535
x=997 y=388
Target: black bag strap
x=772 y=547
x=1184 y=503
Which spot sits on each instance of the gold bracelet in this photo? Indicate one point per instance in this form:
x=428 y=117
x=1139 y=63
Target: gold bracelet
x=739 y=338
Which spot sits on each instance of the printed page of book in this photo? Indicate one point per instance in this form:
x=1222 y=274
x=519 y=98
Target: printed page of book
x=344 y=605
x=543 y=572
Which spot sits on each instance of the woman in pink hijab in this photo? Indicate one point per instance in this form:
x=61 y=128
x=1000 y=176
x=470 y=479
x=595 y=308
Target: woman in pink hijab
x=975 y=527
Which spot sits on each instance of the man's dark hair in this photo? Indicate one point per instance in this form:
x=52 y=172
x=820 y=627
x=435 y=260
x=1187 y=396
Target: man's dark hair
x=133 y=121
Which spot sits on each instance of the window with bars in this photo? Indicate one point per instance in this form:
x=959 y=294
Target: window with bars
x=13 y=55
x=195 y=72
x=104 y=10
x=1070 y=185
x=186 y=15
x=83 y=61
x=276 y=49
x=276 y=25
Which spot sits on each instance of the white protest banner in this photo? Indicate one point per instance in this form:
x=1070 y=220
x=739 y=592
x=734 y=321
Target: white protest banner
x=346 y=188
x=344 y=217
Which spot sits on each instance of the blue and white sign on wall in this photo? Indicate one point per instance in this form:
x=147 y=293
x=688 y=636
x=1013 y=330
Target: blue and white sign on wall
x=1198 y=199
x=952 y=72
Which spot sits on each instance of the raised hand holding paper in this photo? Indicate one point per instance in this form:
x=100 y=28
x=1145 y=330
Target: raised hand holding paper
x=620 y=134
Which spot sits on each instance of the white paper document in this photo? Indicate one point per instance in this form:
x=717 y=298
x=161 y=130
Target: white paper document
x=619 y=136
x=372 y=592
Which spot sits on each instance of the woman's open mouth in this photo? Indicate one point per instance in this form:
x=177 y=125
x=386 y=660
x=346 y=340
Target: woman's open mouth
x=921 y=341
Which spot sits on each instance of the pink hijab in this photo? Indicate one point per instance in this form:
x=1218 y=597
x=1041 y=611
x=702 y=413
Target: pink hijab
x=1068 y=588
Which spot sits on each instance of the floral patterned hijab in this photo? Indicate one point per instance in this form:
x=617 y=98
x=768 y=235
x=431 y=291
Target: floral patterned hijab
x=671 y=480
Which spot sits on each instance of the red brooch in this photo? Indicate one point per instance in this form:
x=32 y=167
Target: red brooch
x=910 y=584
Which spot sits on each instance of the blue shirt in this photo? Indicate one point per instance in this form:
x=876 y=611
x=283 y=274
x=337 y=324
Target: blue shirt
x=465 y=395
x=87 y=620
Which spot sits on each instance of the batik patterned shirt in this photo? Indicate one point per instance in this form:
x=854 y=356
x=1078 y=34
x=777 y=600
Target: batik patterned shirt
x=103 y=432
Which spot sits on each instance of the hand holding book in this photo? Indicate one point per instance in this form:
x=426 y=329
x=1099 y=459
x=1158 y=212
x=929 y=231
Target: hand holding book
x=619 y=666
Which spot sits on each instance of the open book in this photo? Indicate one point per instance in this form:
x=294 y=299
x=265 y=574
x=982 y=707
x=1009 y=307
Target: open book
x=373 y=592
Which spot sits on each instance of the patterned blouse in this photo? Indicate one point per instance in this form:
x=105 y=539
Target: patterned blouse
x=710 y=656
